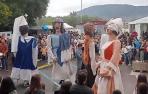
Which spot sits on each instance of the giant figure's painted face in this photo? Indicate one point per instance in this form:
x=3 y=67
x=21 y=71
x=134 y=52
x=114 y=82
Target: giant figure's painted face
x=57 y=25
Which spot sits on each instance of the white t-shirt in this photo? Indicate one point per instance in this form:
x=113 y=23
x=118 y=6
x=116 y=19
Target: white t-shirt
x=124 y=50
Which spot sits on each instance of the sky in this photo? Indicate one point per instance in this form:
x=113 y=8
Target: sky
x=64 y=7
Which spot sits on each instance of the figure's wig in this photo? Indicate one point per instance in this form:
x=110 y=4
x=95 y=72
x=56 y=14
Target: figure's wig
x=24 y=29
x=58 y=20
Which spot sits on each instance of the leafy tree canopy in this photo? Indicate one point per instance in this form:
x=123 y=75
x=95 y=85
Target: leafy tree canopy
x=5 y=13
x=33 y=8
x=73 y=19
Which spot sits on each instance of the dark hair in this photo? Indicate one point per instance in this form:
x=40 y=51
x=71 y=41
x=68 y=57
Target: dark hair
x=35 y=83
x=88 y=30
x=81 y=77
x=88 y=33
x=24 y=29
x=80 y=45
x=62 y=28
x=65 y=87
x=0 y=79
x=142 y=88
x=141 y=78
x=115 y=33
x=7 y=86
x=117 y=92
x=82 y=49
x=33 y=32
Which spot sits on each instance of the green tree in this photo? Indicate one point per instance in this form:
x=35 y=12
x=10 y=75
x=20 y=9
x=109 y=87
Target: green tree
x=33 y=8
x=45 y=20
x=73 y=19
x=5 y=13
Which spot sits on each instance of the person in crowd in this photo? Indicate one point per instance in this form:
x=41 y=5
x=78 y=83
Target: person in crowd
x=25 y=64
x=108 y=72
x=39 y=47
x=89 y=53
x=44 y=41
x=125 y=54
x=65 y=88
x=81 y=84
x=137 y=45
x=4 y=51
x=117 y=92
x=142 y=50
x=75 y=42
x=83 y=64
x=146 y=50
x=1 y=53
x=39 y=51
x=141 y=79
x=44 y=47
x=79 y=56
x=44 y=52
x=7 y=86
x=142 y=88
x=0 y=80
x=59 y=50
x=130 y=54
x=35 y=87
x=97 y=43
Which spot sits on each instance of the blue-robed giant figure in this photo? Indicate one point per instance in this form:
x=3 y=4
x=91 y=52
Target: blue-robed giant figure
x=59 y=51
x=24 y=48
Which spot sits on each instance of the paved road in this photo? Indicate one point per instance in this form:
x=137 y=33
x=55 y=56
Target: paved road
x=128 y=78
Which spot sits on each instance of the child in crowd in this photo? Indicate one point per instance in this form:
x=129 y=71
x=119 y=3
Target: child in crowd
x=79 y=56
x=117 y=92
x=142 y=51
x=137 y=45
x=44 y=52
x=4 y=51
x=80 y=87
x=142 y=88
x=36 y=87
x=125 y=54
x=7 y=86
x=141 y=79
x=65 y=88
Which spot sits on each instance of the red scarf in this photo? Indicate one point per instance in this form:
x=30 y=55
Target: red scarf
x=87 y=42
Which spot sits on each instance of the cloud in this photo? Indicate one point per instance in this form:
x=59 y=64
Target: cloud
x=64 y=7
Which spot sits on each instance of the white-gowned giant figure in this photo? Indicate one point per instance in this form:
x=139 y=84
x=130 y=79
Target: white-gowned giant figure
x=108 y=78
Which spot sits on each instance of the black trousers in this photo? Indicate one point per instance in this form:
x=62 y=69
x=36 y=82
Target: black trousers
x=90 y=76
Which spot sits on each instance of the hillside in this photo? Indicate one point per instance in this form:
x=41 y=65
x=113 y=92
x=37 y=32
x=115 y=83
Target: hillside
x=127 y=12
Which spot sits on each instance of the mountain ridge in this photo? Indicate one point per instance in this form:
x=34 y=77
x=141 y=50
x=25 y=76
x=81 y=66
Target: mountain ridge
x=108 y=11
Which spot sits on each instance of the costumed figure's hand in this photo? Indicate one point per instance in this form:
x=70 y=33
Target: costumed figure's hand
x=99 y=58
x=105 y=72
